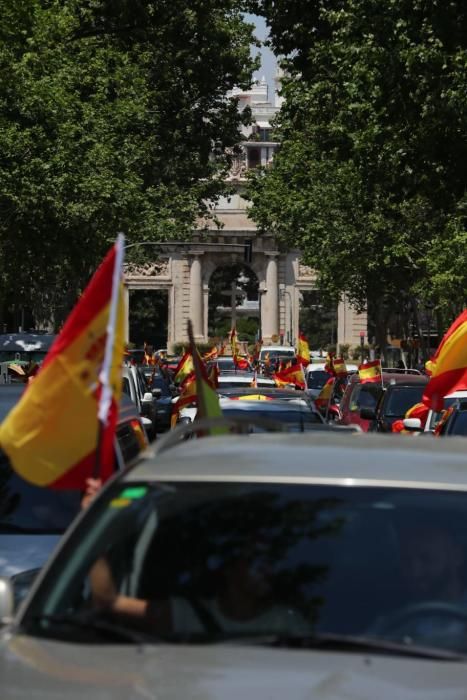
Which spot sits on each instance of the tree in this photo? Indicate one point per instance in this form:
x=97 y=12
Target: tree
x=372 y=167
x=109 y=111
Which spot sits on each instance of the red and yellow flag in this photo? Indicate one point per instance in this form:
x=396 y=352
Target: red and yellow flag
x=340 y=368
x=184 y=368
x=51 y=437
x=212 y=354
x=448 y=367
x=370 y=372
x=291 y=375
x=303 y=350
x=234 y=342
x=207 y=399
x=324 y=396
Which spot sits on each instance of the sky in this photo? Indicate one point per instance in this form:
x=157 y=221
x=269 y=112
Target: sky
x=268 y=60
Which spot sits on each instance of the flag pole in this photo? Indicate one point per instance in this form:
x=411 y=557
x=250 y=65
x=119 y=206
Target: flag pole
x=105 y=399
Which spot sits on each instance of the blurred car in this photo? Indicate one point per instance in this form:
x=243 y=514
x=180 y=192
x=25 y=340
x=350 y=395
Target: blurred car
x=226 y=365
x=135 y=387
x=163 y=393
x=358 y=396
x=453 y=421
x=32 y=518
x=433 y=417
x=316 y=377
x=245 y=569
x=397 y=397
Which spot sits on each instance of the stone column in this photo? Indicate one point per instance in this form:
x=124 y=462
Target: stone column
x=196 y=298
x=270 y=306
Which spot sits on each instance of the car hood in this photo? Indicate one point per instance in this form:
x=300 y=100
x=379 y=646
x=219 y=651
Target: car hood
x=23 y=552
x=55 y=670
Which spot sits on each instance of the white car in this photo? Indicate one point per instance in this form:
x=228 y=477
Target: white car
x=264 y=567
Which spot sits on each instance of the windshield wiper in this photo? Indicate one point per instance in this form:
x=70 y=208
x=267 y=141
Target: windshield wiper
x=343 y=642
x=98 y=623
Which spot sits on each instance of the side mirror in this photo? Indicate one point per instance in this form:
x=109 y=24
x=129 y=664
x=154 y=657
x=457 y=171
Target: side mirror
x=157 y=393
x=7 y=601
x=414 y=424
x=367 y=413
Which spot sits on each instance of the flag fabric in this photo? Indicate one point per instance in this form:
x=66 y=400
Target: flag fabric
x=241 y=362
x=370 y=372
x=340 y=368
x=324 y=396
x=448 y=367
x=188 y=392
x=251 y=397
x=418 y=410
x=213 y=375
x=234 y=342
x=329 y=363
x=184 y=368
x=222 y=350
x=291 y=375
x=64 y=424
x=303 y=350
x=211 y=354
x=254 y=381
x=207 y=398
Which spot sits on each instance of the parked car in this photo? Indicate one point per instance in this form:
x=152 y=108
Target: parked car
x=134 y=386
x=395 y=400
x=32 y=518
x=245 y=569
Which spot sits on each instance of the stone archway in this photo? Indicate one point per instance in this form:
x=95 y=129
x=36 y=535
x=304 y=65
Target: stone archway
x=233 y=300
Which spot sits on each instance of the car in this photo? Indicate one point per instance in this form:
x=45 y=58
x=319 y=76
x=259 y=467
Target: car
x=453 y=421
x=243 y=379
x=433 y=417
x=134 y=386
x=226 y=365
x=394 y=401
x=272 y=392
x=33 y=518
x=163 y=392
x=358 y=396
x=245 y=569
x=316 y=377
x=276 y=352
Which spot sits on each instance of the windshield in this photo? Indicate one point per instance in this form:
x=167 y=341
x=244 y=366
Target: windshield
x=458 y=423
x=317 y=379
x=205 y=562
x=401 y=398
x=364 y=396
x=277 y=354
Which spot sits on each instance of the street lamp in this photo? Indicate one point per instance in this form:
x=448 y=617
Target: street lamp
x=283 y=293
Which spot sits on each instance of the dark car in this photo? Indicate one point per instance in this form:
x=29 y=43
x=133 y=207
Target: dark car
x=163 y=393
x=454 y=420
x=358 y=396
x=394 y=402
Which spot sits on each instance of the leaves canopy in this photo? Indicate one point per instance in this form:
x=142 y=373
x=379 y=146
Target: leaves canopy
x=109 y=110
x=370 y=178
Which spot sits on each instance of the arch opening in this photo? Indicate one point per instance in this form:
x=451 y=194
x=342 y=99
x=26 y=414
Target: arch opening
x=234 y=299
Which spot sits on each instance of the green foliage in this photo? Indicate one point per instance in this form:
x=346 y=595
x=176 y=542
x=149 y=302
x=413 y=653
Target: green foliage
x=369 y=182
x=108 y=116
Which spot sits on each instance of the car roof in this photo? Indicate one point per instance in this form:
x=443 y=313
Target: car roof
x=269 y=406
x=346 y=459
x=242 y=378
x=322 y=367
x=394 y=378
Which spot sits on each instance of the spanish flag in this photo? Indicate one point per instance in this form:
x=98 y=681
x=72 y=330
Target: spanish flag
x=63 y=427
x=184 y=368
x=303 y=350
x=234 y=342
x=370 y=372
x=211 y=354
x=449 y=365
x=291 y=375
x=340 y=368
x=324 y=396
x=207 y=398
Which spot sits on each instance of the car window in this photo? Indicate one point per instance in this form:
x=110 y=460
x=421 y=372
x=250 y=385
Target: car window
x=126 y=386
x=29 y=509
x=317 y=379
x=364 y=396
x=308 y=558
x=458 y=423
x=291 y=420
x=400 y=398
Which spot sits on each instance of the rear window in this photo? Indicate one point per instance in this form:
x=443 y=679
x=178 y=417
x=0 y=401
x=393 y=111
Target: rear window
x=317 y=379
x=364 y=396
x=401 y=398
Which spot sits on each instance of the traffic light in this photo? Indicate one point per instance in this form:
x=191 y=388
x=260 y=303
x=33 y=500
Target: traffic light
x=248 y=249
